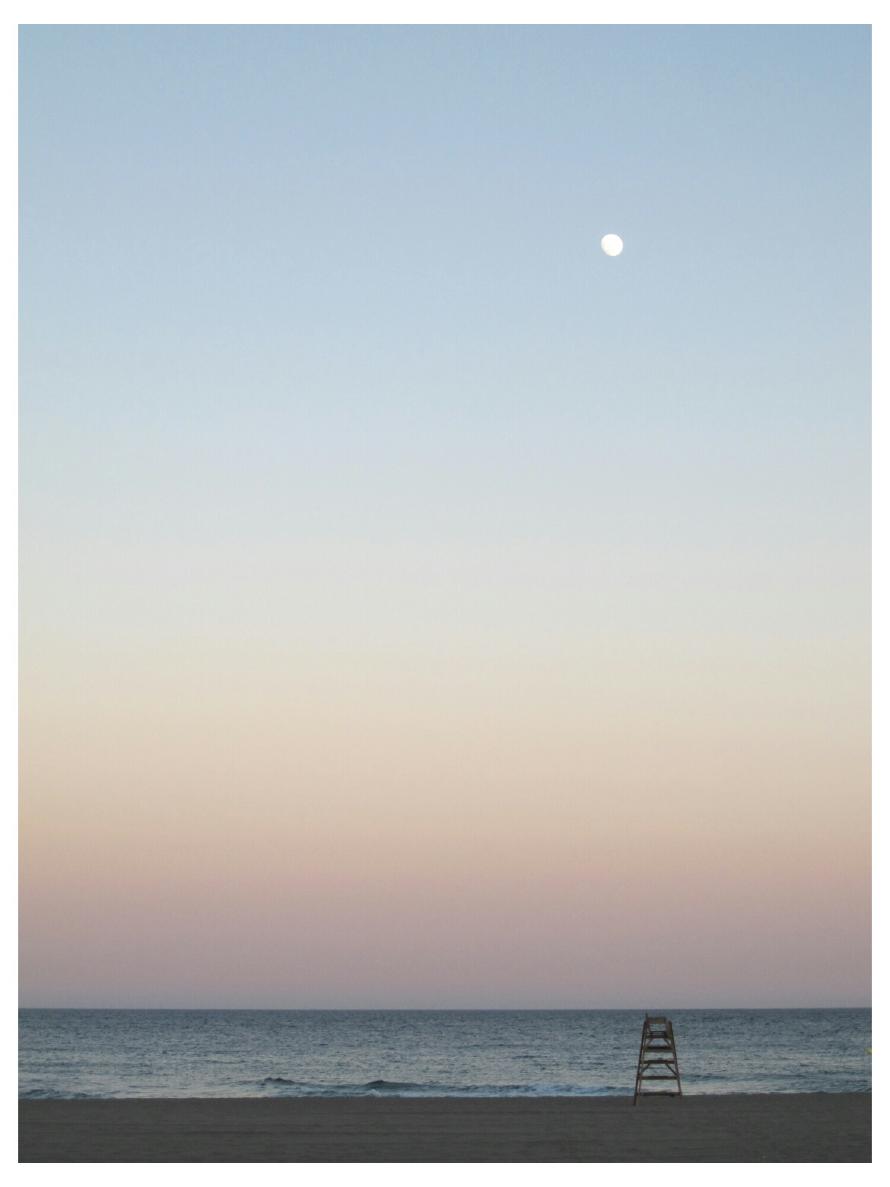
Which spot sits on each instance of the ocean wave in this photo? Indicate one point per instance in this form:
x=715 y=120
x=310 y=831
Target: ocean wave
x=53 y=1094
x=282 y=1086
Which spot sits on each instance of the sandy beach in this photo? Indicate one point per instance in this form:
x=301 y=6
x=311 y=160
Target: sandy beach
x=812 y=1127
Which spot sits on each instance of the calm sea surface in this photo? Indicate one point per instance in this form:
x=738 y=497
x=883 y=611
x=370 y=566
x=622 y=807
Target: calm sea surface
x=118 y=1053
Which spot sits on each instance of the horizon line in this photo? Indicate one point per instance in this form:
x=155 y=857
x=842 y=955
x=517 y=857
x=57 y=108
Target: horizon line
x=445 y=1009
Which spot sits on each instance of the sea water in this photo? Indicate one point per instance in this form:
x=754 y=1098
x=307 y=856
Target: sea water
x=275 y=1053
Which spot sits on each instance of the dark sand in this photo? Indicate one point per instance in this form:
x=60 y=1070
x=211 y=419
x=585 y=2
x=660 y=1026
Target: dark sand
x=813 y=1127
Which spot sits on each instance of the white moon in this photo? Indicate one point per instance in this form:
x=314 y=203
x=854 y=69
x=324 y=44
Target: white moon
x=612 y=245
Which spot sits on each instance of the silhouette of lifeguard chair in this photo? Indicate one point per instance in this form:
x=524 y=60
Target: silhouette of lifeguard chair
x=658 y=1058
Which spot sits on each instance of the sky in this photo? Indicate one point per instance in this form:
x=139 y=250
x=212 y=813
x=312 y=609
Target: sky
x=418 y=606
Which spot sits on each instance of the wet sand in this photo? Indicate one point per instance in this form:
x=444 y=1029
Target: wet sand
x=812 y=1127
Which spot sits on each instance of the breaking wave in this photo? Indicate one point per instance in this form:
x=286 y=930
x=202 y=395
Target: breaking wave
x=283 y=1086
x=53 y=1094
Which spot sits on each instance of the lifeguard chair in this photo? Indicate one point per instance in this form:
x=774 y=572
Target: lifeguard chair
x=658 y=1059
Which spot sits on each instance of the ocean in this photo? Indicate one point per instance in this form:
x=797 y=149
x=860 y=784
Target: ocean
x=292 y=1053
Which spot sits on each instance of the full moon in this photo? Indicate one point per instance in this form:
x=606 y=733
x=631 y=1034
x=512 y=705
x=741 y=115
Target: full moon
x=612 y=245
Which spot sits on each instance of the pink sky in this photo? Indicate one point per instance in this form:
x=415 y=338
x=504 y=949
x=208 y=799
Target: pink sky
x=506 y=833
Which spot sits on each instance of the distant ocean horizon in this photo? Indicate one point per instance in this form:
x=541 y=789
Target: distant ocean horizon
x=73 y=1053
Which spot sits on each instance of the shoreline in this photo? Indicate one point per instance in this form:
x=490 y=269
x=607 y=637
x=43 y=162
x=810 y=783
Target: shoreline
x=779 y=1127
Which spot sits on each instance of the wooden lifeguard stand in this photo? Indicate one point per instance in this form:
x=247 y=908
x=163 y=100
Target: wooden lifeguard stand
x=658 y=1058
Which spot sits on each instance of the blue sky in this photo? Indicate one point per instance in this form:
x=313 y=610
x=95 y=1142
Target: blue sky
x=396 y=230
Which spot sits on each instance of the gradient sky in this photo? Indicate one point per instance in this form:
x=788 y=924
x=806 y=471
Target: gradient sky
x=420 y=608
